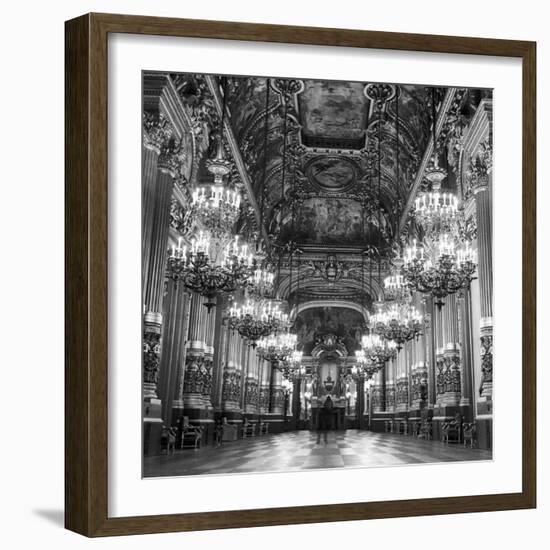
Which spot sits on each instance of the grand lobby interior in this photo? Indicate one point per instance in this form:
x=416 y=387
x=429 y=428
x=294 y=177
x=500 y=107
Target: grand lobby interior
x=316 y=274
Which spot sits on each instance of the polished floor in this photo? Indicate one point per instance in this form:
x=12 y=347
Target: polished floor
x=293 y=451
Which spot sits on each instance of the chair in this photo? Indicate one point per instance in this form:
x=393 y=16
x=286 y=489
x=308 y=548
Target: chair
x=469 y=433
x=249 y=429
x=451 y=432
x=230 y=432
x=414 y=428
x=426 y=431
x=191 y=436
x=263 y=428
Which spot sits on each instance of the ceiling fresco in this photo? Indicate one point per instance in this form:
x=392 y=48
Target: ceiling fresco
x=333 y=111
x=314 y=323
x=331 y=165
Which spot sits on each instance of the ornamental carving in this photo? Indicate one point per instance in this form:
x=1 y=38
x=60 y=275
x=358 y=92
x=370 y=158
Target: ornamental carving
x=251 y=392
x=195 y=374
x=263 y=402
x=151 y=357
x=380 y=94
x=390 y=396
x=402 y=391
x=448 y=374
x=277 y=398
x=180 y=218
x=478 y=172
x=231 y=387
x=156 y=130
x=486 y=360
x=377 y=398
x=170 y=157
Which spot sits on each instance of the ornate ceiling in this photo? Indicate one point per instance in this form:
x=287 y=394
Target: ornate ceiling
x=333 y=195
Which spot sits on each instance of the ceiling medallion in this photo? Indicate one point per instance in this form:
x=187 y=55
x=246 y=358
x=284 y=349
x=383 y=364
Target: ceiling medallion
x=331 y=173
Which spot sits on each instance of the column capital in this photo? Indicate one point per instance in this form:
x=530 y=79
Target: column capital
x=170 y=157
x=156 y=130
x=480 y=168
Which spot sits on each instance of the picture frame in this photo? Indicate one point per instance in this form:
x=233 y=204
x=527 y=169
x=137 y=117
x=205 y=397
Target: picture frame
x=87 y=281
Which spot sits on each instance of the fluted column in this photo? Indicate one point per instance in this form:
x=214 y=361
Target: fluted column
x=451 y=354
x=174 y=331
x=231 y=386
x=485 y=273
x=276 y=392
x=195 y=370
x=155 y=243
x=378 y=393
x=390 y=385
x=465 y=327
x=157 y=132
x=263 y=396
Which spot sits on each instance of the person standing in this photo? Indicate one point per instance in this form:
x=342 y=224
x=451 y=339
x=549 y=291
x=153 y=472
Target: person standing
x=325 y=420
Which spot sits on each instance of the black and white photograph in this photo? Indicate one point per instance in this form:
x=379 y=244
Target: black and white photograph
x=317 y=274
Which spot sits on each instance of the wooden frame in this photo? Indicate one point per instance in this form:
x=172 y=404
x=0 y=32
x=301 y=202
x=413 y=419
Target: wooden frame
x=86 y=274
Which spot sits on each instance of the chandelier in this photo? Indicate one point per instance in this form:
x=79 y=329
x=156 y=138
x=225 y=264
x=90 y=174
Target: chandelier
x=378 y=350
x=397 y=321
x=257 y=318
x=260 y=282
x=396 y=288
x=209 y=267
x=445 y=270
x=363 y=366
x=292 y=368
x=436 y=211
x=217 y=208
x=277 y=347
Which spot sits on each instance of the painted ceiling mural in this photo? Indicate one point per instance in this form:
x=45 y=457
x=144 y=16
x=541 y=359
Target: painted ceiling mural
x=331 y=165
x=314 y=323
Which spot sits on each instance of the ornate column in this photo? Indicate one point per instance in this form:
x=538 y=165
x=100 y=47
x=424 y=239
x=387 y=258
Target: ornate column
x=276 y=392
x=481 y=173
x=451 y=355
x=390 y=385
x=231 y=385
x=174 y=332
x=378 y=394
x=157 y=132
x=221 y=348
x=158 y=216
x=402 y=379
x=177 y=406
x=195 y=370
x=465 y=330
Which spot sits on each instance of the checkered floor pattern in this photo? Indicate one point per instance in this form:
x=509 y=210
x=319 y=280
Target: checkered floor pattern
x=293 y=451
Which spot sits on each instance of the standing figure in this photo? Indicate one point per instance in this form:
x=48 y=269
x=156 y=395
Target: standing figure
x=325 y=420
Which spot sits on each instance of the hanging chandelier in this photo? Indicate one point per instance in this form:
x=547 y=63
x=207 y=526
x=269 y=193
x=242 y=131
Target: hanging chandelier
x=434 y=210
x=208 y=267
x=277 y=347
x=260 y=282
x=378 y=350
x=292 y=368
x=364 y=366
x=257 y=318
x=446 y=269
x=399 y=322
x=396 y=288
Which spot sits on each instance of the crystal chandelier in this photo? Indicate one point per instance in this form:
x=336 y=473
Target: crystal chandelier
x=293 y=368
x=363 y=366
x=436 y=211
x=260 y=282
x=397 y=321
x=257 y=318
x=277 y=347
x=209 y=267
x=396 y=288
x=217 y=208
x=378 y=350
x=445 y=270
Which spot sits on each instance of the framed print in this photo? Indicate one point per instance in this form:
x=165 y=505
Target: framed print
x=282 y=301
